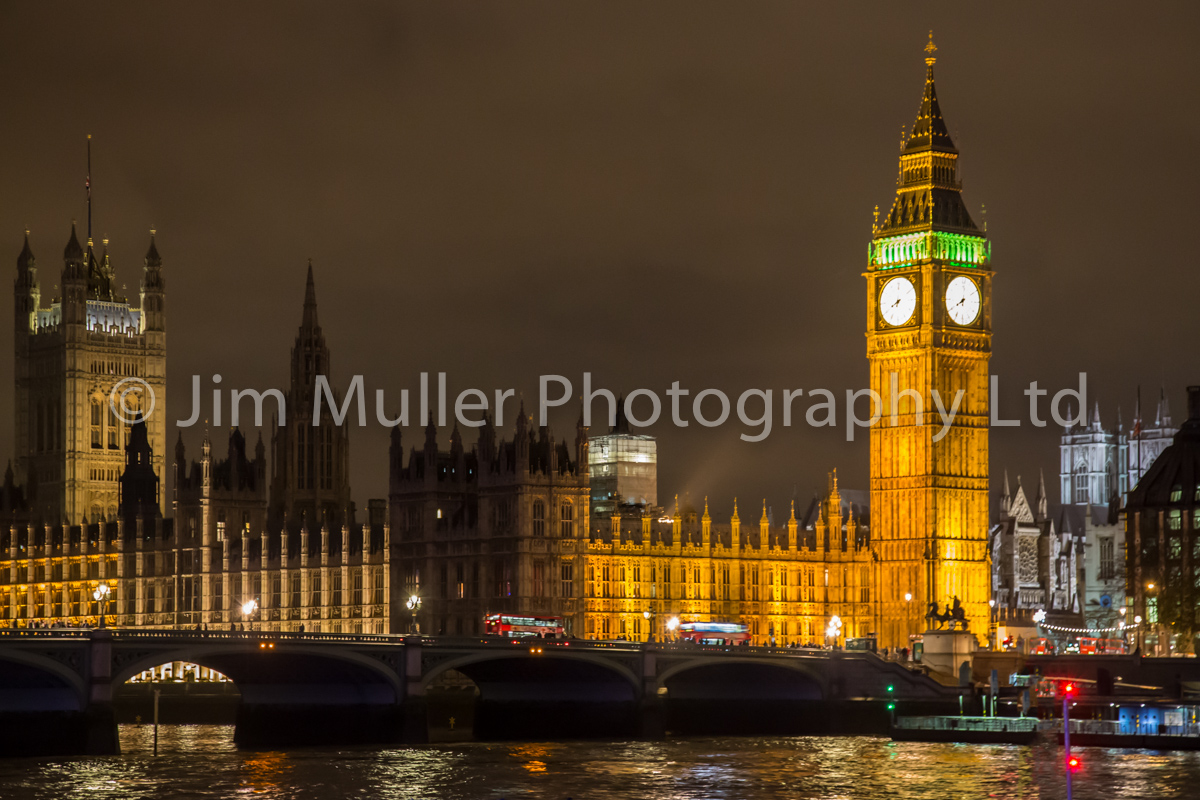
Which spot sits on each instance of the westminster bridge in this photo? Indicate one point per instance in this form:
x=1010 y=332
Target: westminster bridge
x=57 y=686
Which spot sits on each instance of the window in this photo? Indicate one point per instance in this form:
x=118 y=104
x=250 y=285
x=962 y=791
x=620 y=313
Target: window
x=539 y=518
x=566 y=519
x=1175 y=520
x=539 y=579
x=566 y=583
x=377 y=585
x=1176 y=493
x=327 y=461
x=460 y=585
x=1174 y=548
x=1108 y=562
x=296 y=600
x=96 y=422
x=112 y=429
x=1081 y=488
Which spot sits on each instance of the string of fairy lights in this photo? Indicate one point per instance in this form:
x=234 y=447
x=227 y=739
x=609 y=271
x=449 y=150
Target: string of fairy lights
x=1064 y=629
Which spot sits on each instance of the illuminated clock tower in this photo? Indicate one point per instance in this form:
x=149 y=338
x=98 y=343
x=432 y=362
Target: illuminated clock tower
x=929 y=335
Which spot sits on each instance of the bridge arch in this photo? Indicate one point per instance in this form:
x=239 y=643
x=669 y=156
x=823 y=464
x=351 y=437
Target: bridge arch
x=33 y=681
x=810 y=677
x=534 y=696
x=464 y=663
x=264 y=675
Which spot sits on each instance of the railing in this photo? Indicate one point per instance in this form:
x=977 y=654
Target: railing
x=491 y=642
x=45 y=633
x=992 y=724
x=1112 y=727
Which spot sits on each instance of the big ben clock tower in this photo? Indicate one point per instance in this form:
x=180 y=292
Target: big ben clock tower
x=929 y=330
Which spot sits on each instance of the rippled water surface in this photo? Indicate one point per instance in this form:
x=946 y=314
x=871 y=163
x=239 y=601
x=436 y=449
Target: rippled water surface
x=201 y=762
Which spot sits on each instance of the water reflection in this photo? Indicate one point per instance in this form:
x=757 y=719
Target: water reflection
x=201 y=762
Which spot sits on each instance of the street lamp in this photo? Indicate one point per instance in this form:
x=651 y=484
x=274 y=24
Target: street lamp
x=992 y=623
x=834 y=628
x=413 y=603
x=673 y=625
x=649 y=615
x=101 y=597
x=248 y=609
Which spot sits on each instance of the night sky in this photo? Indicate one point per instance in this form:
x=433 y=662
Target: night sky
x=652 y=192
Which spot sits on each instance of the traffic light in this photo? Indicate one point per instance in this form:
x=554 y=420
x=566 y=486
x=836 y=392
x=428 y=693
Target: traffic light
x=1069 y=689
x=1073 y=763
x=891 y=706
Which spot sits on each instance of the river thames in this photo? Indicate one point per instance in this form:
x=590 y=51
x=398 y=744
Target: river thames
x=197 y=761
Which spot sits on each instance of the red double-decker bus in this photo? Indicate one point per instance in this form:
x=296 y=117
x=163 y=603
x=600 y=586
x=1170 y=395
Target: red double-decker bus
x=1107 y=647
x=514 y=626
x=714 y=632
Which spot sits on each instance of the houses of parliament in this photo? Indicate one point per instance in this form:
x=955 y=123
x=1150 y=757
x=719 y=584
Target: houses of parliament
x=503 y=525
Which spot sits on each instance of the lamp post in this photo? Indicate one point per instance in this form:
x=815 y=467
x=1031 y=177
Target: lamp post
x=413 y=603
x=834 y=628
x=248 y=609
x=101 y=597
x=992 y=623
x=649 y=616
x=672 y=625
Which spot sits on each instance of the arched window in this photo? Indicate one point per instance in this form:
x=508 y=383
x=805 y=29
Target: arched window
x=539 y=518
x=566 y=519
x=97 y=416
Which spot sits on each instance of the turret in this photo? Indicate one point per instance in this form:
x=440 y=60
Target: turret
x=764 y=529
x=154 y=290
x=735 y=528
x=26 y=294
x=792 y=526
x=706 y=526
x=74 y=282
x=521 y=441
x=581 y=447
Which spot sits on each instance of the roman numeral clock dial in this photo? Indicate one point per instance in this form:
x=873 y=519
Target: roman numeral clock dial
x=962 y=300
x=897 y=301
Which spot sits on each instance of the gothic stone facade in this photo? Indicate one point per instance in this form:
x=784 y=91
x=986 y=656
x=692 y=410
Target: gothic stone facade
x=500 y=528
x=70 y=354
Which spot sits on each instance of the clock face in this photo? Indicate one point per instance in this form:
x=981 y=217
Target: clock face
x=898 y=301
x=962 y=300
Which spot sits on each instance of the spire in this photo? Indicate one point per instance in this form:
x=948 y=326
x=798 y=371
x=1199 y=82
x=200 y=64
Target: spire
x=310 y=302
x=1041 y=501
x=73 y=251
x=929 y=196
x=1162 y=418
x=1096 y=416
x=26 y=260
x=154 y=260
x=929 y=131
